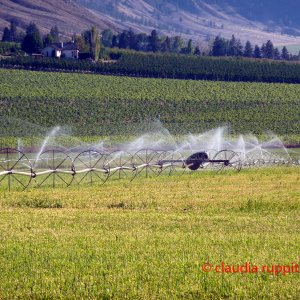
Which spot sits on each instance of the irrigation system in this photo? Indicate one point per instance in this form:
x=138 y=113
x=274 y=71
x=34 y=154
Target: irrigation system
x=56 y=167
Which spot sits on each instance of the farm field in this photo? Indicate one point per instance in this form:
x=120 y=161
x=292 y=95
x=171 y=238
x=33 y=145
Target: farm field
x=94 y=105
x=149 y=239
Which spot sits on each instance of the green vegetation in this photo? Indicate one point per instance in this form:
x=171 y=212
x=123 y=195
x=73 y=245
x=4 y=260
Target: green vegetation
x=93 y=105
x=170 y=66
x=7 y=48
x=149 y=239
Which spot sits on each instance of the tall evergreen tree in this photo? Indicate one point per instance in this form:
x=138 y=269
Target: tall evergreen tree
x=6 y=35
x=166 y=45
x=263 y=50
x=257 y=53
x=285 y=54
x=13 y=32
x=248 y=51
x=177 y=44
x=232 y=46
x=131 y=39
x=239 y=48
x=123 y=40
x=276 y=54
x=269 y=50
x=154 y=42
x=219 y=47
x=235 y=47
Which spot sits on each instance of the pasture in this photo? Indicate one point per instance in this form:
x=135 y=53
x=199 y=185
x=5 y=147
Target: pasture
x=149 y=239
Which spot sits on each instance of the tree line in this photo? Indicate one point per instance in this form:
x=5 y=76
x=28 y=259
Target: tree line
x=89 y=42
x=219 y=46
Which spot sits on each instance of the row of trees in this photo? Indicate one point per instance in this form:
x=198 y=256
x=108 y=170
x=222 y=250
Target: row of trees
x=89 y=42
x=148 y=43
x=220 y=46
x=170 y=66
x=234 y=47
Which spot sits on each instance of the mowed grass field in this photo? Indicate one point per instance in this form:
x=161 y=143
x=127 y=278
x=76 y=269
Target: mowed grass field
x=148 y=239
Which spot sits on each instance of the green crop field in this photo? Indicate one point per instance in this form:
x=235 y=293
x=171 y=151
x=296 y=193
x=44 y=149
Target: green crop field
x=149 y=239
x=94 y=105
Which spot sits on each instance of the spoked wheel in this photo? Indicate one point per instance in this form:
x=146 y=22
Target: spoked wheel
x=15 y=170
x=53 y=168
x=91 y=167
x=145 y=162
x=226 y=159
x=121 y=165
x=178 y=166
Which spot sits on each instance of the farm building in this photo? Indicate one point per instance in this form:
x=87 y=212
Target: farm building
x=61 y=50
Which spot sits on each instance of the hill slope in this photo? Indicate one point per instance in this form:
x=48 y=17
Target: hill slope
x=68 y=15
x=200 y=20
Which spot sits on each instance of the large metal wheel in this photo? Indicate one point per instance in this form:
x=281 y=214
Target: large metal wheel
x=91 y=167
x=15 y=170
x=146 y=162
x=53 y=168
x=121 y=165
x=228 y=159
x=171 y=162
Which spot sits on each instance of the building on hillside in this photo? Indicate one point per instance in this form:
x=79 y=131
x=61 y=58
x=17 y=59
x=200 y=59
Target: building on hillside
x=61 y=50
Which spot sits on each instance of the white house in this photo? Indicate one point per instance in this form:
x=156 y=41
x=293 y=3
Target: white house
x=61 y=50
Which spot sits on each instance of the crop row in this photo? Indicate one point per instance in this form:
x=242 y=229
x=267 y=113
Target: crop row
x=94 y=105
x=171 y=66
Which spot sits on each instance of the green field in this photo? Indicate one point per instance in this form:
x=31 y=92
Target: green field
x=149 y=239
x=94 y=105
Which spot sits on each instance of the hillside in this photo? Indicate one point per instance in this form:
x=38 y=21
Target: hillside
x=67 y=15
x=200 y=20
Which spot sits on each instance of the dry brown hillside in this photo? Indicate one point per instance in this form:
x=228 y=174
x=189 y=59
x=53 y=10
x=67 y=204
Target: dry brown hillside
x=200 y=20
x=66 y=14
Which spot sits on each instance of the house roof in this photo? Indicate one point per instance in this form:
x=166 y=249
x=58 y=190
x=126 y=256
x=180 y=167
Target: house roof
x=66 y=46
x=70 y=46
